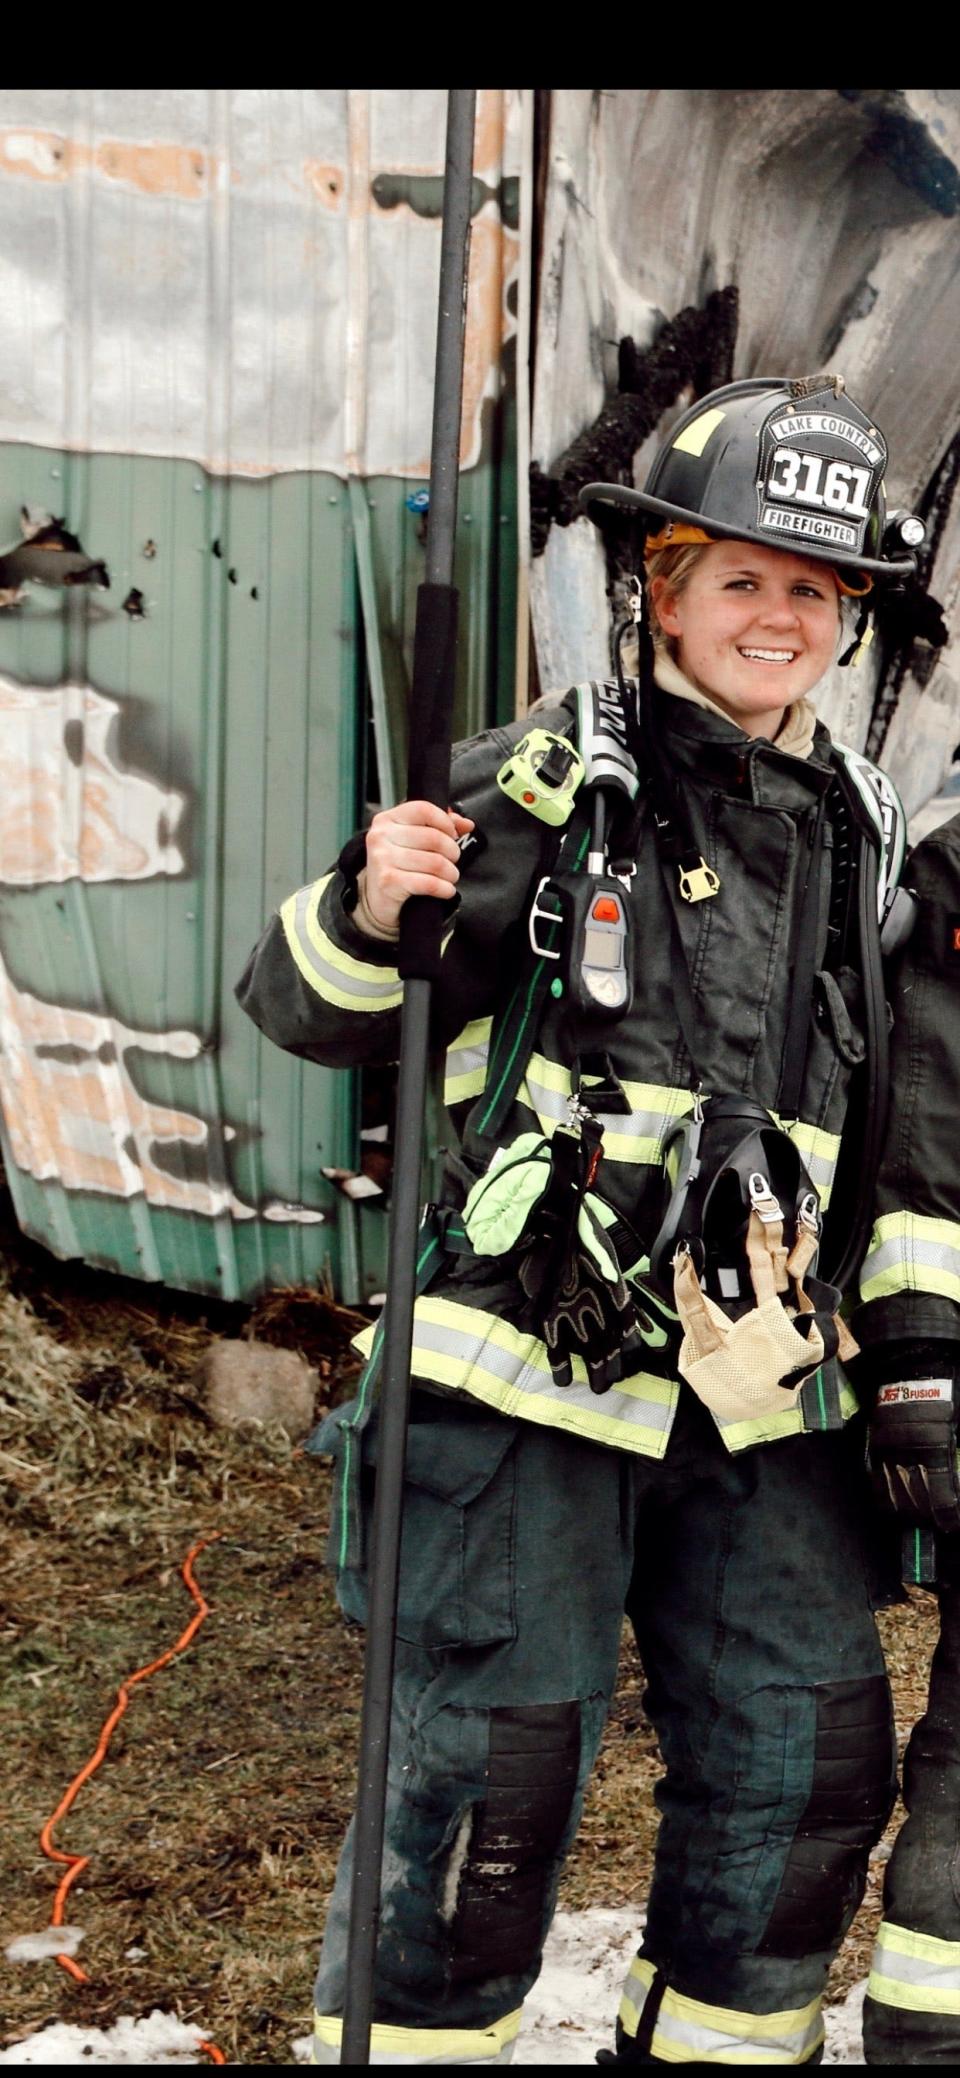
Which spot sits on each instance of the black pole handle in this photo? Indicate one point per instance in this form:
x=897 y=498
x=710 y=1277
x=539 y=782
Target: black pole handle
x=431 y=717
x=423 y=917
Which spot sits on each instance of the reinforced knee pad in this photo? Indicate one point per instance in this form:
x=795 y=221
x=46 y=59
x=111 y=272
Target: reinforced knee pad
x=503 y=1860
x=851 y=1797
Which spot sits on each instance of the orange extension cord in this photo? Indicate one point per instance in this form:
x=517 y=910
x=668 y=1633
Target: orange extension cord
x=78 y=1862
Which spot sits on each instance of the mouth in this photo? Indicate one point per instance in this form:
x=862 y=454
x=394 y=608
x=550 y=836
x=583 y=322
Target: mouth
x=768 y=656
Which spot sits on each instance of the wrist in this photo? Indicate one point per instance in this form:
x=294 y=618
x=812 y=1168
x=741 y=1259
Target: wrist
x=364 y=918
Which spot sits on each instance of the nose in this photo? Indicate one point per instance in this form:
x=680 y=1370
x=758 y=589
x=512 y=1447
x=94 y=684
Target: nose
x=778 y=610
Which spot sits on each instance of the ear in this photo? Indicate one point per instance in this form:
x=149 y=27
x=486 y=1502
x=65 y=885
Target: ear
x=664 y=603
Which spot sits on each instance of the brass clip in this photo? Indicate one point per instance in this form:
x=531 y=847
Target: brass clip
x=697 y=883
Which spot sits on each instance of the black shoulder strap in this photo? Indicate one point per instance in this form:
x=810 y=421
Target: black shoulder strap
x=851 y=1220
x=516 y=1025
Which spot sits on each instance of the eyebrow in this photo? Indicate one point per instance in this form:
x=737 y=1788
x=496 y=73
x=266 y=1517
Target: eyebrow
x=754 y=570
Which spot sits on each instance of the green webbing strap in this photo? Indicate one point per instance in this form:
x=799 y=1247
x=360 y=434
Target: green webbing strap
x=820 y=1402
x=918 y=1552
x=516 y=1027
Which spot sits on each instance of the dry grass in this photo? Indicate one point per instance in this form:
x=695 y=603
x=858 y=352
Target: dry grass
x=214 y=1824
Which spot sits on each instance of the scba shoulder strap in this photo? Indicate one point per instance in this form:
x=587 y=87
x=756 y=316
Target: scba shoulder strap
x=881 y=806
x=875 y=918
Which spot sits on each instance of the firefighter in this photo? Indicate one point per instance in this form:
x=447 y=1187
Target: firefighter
x=909 y=1327
x=660 y=983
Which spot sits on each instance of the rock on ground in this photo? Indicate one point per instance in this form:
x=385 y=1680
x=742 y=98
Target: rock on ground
x=252 y=1381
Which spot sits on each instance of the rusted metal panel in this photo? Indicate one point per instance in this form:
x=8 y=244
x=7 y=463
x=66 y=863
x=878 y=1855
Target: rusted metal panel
x=243 y=278
x=187 y=378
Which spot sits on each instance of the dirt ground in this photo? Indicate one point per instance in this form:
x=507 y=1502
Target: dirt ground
x=213 y=1825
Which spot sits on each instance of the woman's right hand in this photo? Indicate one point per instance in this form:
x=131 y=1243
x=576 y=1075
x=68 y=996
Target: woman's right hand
x=411 y=850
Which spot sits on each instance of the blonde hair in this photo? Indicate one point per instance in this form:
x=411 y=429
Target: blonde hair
x=677 y=565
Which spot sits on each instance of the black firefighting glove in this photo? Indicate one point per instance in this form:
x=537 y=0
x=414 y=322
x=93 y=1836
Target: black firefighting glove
x=912 y=1449
x=568 y=1270
x=592 y=1317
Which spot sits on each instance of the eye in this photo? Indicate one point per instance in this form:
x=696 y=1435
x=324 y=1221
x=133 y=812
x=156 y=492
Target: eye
x=740 y=584
x=810 y=591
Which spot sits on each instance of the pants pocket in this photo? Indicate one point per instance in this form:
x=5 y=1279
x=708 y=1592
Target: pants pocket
x=457 y=1584
x=458 y=1551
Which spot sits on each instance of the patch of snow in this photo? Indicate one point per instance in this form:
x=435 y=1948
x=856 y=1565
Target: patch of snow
x=845 y=2029
x=44 y=1942
x=571 y=2011
x=160 y=2039
x=568 y=2016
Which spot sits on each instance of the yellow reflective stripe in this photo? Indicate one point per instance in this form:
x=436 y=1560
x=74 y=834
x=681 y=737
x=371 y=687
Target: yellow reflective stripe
x=634 y=1137
x=812 y=1139
x=640 y=1976
x=741 y=1435
x=918 y=1972
x=402 y=2045
x=926 y=1948
x=466 y=1063
x=821 y=1152
x=690 y=2031
x=349 y=983
x=475 y=1352
x=913 y=1998
x=910 y=1252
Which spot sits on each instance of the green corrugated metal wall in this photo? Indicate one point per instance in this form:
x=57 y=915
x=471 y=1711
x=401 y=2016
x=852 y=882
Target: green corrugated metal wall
x=242 y=689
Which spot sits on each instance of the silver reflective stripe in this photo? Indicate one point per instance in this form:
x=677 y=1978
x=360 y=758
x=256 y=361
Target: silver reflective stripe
x=688 y=2030
x=792 y=2046
x=651 y=1126
x=917 y=1972
x=336 y=975
x=821 y=1169
x=472 y=1351
x=465 y=1072
x=905 y=1250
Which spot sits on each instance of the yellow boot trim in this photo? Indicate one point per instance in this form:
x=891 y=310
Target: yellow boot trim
x=688 y=2031
x=917 y=1972
x=415 y=2045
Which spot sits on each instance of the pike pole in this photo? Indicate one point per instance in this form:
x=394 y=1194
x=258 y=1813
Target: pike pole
x=421 y=927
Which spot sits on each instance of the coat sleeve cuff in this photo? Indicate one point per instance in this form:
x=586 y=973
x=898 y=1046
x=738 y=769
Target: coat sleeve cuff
x=906 y=1317
x=335 y=958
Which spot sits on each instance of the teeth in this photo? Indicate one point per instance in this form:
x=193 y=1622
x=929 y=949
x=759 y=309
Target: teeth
x=771 y=656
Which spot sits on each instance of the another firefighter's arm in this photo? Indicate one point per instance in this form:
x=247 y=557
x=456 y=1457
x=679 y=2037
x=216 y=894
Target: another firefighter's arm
x=908 y=1323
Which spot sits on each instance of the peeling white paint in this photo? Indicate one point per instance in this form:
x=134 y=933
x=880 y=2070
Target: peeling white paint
x=78 y=817
x=74 y=1114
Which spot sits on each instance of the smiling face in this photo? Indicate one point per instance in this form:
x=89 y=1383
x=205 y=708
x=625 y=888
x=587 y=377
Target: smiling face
x=754 y=628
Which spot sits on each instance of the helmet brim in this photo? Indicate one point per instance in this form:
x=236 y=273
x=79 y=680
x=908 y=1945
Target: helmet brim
x=623 y=495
